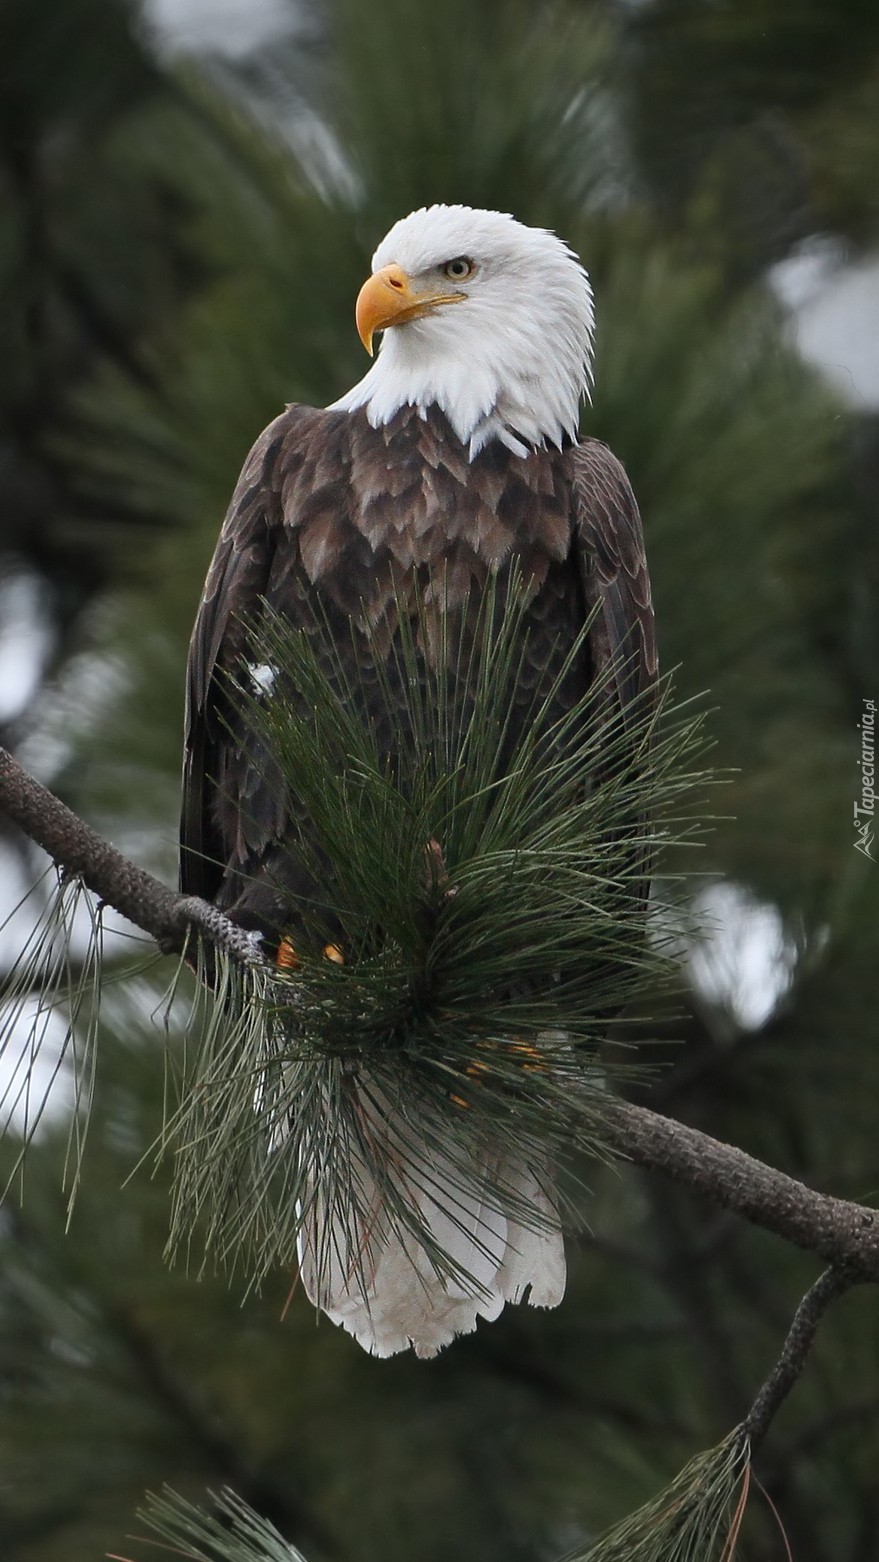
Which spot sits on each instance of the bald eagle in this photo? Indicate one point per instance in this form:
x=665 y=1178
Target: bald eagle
x=456 y=457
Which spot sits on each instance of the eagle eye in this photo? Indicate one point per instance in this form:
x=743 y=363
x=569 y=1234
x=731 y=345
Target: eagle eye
x=459 y=269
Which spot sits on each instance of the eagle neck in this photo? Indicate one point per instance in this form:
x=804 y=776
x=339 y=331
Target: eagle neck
x=478 y=409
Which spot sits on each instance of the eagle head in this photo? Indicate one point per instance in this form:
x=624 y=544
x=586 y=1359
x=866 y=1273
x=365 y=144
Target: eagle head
x=483 y=317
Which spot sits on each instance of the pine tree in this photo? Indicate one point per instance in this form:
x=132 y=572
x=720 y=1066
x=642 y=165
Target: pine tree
x=536 y=1436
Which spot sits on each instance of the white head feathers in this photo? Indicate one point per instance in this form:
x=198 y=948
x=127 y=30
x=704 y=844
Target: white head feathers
x=511 y=359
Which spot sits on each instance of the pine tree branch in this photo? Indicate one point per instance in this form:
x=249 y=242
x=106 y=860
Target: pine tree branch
x=79 y=851
x=797 y=1345
x=838 y=1230
x=843 y=1233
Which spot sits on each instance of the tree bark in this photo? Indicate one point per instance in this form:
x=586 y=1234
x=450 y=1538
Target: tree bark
x=79 y=851
x=836 y=1229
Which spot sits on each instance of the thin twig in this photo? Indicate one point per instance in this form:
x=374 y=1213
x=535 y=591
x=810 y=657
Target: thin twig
x=790 y=1363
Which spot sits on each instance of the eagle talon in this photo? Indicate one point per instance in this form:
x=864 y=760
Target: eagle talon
x=529 y=1058
x=287 y=957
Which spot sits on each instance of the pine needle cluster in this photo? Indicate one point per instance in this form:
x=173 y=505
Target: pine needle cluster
x=696 y=1518
x=232 y=1533
x=484 y=887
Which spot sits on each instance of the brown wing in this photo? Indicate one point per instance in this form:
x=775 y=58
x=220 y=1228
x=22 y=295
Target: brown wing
x=290 y=523
x=609 y=542
x=235 y=584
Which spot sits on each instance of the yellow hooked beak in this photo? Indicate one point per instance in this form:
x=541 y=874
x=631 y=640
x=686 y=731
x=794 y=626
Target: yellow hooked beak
x=388 y=298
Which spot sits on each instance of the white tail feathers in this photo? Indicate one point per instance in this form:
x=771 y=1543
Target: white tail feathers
x=418 y=1279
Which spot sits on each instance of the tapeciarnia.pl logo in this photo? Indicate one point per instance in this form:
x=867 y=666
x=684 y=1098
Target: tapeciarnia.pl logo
x=865 y=809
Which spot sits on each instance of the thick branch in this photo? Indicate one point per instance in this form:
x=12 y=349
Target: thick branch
x=838 y=1230
x=79 y=850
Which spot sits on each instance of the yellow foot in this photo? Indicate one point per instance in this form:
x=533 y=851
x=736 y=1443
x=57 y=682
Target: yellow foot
x=288 y=957
x=528 y=1058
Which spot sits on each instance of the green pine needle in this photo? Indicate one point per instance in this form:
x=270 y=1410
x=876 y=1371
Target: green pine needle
x=695 y=1519
x=48 y=984
x=486 y=887
x=232 y=1533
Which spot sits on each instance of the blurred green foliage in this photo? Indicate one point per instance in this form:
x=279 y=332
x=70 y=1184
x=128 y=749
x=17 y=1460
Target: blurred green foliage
x=92 y=259
x=180 y=251
x=768 y=120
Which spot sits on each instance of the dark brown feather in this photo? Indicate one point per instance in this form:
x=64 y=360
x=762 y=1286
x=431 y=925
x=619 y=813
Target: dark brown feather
x=613 y=566
x=356 y=521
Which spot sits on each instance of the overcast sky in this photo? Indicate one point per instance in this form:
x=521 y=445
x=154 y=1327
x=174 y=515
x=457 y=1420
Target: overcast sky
x=230 y=27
